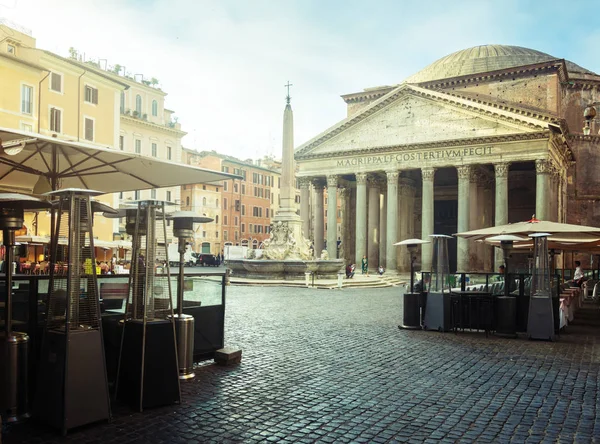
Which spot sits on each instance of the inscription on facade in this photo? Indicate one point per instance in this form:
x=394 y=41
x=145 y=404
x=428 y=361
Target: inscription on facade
x=417 y=156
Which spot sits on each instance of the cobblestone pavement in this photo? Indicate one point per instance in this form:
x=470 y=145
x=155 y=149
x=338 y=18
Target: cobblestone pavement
x=331 y=366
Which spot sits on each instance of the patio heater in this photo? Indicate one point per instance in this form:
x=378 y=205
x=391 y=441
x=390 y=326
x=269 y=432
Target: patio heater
x=438 y=315
x=148 y=372
x=14 y=353
x=72 y=387
x=411 y=318
x=540 y=323
x=506 y=309
x=183 y=229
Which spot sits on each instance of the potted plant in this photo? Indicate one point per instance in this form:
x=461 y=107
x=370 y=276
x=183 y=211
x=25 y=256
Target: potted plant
x=135 y=113
x=145 y=116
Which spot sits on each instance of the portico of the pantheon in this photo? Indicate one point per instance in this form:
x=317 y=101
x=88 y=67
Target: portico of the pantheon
x=484 y=136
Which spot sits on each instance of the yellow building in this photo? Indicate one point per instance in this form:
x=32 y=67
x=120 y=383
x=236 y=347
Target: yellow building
x=45 y=93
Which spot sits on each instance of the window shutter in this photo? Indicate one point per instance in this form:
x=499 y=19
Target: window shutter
x=55 y=82
x=89 y=129
x=95 y=96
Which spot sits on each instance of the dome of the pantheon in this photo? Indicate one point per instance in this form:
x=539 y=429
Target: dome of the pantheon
x=486 y=58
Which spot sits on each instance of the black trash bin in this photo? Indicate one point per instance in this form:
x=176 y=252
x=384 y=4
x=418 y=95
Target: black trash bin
x=506 y=316
x=411 y=318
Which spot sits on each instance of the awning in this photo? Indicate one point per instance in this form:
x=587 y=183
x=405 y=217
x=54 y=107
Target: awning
x=33 y=163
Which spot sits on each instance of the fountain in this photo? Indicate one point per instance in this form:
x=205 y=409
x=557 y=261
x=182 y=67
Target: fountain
x=286 y=254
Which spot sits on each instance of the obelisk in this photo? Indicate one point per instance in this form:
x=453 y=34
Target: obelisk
x=286 y=240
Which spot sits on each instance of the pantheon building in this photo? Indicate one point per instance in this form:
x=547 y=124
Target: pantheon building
x=485 y=136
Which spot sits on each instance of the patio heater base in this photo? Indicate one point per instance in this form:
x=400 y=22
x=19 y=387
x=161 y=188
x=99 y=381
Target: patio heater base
x=148 y=375
x=184 y=331
x=411 y=319
x=438 y=314
x=14 y=403
x=72 y=389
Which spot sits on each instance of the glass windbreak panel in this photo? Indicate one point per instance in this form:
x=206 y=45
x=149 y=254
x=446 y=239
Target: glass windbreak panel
x=202 y=291
x=113 y=294
x=20 y=304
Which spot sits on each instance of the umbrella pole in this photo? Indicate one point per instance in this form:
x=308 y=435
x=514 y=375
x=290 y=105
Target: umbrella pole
x=8 y=241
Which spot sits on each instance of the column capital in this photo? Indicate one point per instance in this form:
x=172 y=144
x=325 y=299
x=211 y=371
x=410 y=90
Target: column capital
x=427 y=174
x=543 y=166
x=392 y=176
x=344 y=192
x=501 y=169
x=332 y=180
x=361 y=178
x=372 y=180
x=304 y=182
x=464 y=172
x=318 y=184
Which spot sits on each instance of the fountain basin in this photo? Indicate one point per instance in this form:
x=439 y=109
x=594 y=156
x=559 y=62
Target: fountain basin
x=292 y=269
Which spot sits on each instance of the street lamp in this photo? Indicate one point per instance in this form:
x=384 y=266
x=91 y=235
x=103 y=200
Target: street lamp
x=411 y=314
x=183 y=229
x=13 y=345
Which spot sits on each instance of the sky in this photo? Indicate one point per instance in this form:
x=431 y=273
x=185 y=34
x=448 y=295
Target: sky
x=224 y=63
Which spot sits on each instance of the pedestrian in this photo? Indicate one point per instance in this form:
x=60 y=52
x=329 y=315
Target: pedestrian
x=365 y=265
x=350 y=271
x=380 y=270
x=113 y=264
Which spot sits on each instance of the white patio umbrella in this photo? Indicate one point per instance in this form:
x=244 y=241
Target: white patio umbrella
x=560 y=232
x=33 y=163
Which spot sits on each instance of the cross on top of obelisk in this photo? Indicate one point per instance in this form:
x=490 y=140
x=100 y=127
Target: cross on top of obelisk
x=287 y=98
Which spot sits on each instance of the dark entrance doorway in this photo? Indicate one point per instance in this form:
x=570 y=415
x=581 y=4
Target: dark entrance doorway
x=445 y=222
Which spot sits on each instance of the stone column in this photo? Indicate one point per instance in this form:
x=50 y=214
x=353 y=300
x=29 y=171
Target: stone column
x=361 y=217
x=488 y=218
x=373 y=223
x=427 y=225
x=305 y=205
x=392 y=220
x=383 y=226
x=542 y=183
x=464 y=197
x=475 y=220
x=344 y=252
x=332 y=183
x=319 y=217
x=406 y=210
x=501 y=213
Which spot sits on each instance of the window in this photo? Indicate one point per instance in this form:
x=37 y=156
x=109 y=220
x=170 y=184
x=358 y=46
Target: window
x=152 y=194
x=136 y=195
x=249 y=228
x=217 y=203
x=122 y=102
x=237 y=235
x=224 y=235
x=267 y=229
x=225 y=169
x=243 y=228
x=27 y=127
x=91 y=95
x=138 y=104
x=204 y=188
x=121 y=143
x=225 y=203
x=168 y=196
x=217 y=234
x=121 y=195
x=169 y=153
x=217 y=219
x=266 y=212
x=88 y=127
x=235 y=221
x=26 y=99
x=204 y=201
x=11 y=49
x=187 y=201
x=154 y=108
x=243 y=210
x=236 y=188
x=279 y=182
x=243 y=189
x=204 y=234
x=138 y=146
x=154 y=150
x=237 y=205
x=56 y=82
x=225 y=186
x=225 y=220
x=55 y=120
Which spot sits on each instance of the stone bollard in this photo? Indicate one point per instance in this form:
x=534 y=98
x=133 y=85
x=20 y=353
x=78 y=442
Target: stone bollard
x=228 y=356
x=307 y=278
x=340 y=279
x=227 y=276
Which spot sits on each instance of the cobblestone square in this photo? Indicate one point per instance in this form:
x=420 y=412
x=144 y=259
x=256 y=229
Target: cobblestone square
x=332 y=366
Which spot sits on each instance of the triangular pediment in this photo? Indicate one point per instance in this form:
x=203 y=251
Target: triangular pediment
x=411 y=115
